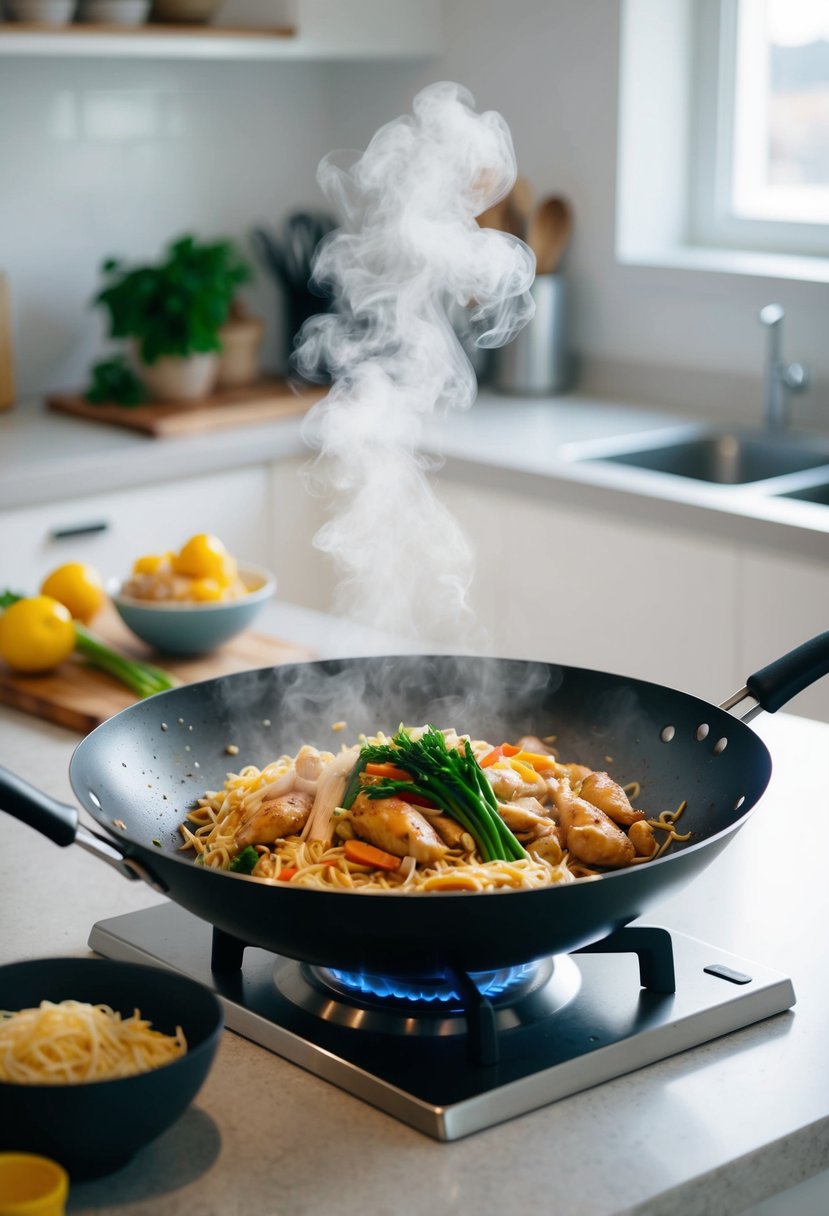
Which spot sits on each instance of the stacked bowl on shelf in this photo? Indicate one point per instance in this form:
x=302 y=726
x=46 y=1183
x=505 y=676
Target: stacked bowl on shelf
x=109 y=12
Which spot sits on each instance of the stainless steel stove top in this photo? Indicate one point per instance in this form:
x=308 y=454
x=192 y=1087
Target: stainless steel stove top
x=575 y=1022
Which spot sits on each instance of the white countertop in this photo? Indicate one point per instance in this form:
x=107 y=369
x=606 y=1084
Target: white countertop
x=708 y=1131
x=534 y=445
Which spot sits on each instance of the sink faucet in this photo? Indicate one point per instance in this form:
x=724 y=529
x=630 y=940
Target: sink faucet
x=781 y=378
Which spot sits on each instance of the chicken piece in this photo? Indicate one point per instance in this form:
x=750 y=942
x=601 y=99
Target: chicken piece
x=602 y=791
x=508 y=784
x=397 y=827
x=275 y=818
x=532 y=743
x=546 y=847
x=589 y=834
x=450 y=831
x=644 y=841
x=524 y=815
x=575 y=772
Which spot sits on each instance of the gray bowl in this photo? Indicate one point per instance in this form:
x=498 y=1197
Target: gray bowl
x=191 y=629
x=95 y=1127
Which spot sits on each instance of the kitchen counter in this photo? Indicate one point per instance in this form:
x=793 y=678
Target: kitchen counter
x=711 y=1130
x=534 y=445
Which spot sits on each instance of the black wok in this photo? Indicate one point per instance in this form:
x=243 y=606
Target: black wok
x=144 y=766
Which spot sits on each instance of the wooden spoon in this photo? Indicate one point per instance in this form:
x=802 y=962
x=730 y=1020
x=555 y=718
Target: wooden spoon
x=496 y=216
x=520 y=202
x=549 y=232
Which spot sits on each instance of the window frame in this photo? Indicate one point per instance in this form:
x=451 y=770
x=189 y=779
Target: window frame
x=711 y=220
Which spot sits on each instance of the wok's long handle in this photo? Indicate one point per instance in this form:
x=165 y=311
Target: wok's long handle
x=30 y=805
x=60 y=823
x=775 y=685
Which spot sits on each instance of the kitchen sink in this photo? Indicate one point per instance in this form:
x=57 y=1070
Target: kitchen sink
x=728 y=458
x=818 y=494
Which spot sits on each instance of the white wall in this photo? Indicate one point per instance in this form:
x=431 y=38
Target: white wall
x=551 y=67
x=100 y=158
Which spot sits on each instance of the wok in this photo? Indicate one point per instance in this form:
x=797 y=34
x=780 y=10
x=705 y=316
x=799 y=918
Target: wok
x=145 y=765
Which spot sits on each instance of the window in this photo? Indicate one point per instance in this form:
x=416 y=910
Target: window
x=781 y=114
x=723 y=157
x=762 y=131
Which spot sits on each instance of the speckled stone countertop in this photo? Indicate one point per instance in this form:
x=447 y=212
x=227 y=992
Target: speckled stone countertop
x=533 y=445
x=709 y=1131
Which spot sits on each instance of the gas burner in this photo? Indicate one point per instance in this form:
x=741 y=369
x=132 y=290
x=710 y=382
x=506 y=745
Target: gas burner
x=462 y=1058
x=478 y=1007
x=427 y=994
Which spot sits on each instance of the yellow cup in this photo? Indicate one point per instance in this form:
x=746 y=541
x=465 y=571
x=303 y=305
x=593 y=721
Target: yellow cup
x=32 y=1186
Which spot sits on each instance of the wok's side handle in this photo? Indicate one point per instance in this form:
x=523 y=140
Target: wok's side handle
x=60 y=823
x=773 y=686
x=40 y=811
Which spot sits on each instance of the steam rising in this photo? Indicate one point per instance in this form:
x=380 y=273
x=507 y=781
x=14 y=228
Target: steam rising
x=408 y=249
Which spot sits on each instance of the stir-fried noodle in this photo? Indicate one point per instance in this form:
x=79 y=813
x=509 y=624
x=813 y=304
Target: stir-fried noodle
x=341 y=822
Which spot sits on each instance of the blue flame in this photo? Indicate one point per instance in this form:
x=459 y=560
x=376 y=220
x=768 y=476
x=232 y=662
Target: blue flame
x=432 y=992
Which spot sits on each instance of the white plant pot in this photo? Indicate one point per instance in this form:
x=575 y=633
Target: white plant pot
x=173 y=378
x=41 y=12
x=239 y=359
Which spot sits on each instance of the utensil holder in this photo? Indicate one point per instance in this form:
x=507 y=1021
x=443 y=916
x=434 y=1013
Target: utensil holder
x=538 y=360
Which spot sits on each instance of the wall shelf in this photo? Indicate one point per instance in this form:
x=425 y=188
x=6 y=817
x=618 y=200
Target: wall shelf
x=249 y=30
x=148 y=41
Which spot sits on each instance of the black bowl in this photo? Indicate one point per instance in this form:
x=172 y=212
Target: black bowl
x=95 y=1127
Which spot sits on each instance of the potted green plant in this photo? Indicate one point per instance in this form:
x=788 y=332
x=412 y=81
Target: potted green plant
x=174 y=312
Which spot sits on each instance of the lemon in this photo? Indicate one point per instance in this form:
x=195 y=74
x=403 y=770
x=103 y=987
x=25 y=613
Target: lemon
x=151 y=563
x=205 y=590
x=78 y=586
x=36 y=634
x=204 y=556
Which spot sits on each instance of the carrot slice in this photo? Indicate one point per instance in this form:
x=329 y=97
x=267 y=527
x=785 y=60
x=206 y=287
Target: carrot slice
x=363 y=854
x=498 y=753
x=287 y=873
x=387 y=770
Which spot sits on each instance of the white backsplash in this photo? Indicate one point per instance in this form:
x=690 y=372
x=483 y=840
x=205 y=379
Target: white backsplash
x=117 y=158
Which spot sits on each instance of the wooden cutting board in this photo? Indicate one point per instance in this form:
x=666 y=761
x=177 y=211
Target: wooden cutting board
x=81 y=698
x=259 y=402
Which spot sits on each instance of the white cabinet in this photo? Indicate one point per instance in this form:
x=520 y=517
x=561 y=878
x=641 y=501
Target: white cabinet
x=111 y=530
x=597 y=590
x=304 y=575
x=784 y=601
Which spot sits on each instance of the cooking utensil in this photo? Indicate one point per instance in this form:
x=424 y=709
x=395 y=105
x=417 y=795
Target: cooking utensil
x=95 y=1127
x=303 y=232
x=520 y=207
x=135 y=771
x=496 y=216
x=511 y=213
x=290 y=260
x=270 y=254
x=538 y=360
x=549 y=232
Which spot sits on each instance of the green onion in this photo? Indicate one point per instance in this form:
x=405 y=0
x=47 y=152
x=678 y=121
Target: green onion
x=142 y=678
